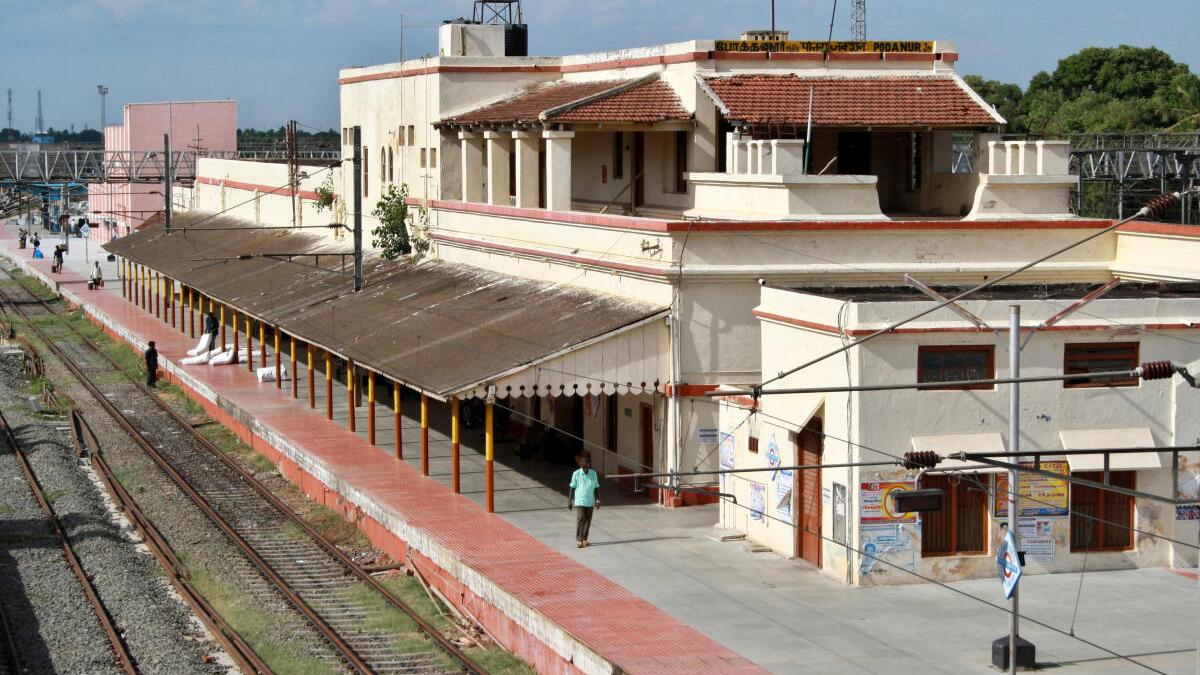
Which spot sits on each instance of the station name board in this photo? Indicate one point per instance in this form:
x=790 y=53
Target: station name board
x=820 y=47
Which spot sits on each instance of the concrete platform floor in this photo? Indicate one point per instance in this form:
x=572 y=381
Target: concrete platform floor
x=783 y=615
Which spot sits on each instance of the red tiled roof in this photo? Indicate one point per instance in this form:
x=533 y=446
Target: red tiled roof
x=899 y=101
x=524 y=108
x=652 y=101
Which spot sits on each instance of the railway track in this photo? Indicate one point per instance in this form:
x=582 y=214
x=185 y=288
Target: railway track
x=120 y=650
x=353 y=611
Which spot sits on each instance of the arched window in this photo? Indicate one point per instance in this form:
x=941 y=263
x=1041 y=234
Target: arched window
x=383 y=168
x=391 y=166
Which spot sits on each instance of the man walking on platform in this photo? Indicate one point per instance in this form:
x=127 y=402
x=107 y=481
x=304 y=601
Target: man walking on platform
x=151 y=365
x=584 y=497
x=210 y=324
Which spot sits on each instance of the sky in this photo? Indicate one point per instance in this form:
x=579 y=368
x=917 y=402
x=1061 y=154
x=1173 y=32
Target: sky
x=280 y=58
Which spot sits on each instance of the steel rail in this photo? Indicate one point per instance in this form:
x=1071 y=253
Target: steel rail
x=12 y=660
x=120 y=649
x=356 y=570
x=335 y=639
x=87 y=446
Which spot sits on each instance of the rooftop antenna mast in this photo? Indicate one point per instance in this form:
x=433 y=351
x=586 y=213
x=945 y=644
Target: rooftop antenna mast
x=38 y=122
x=858 y=21
x=502 y=12
x=103 y=108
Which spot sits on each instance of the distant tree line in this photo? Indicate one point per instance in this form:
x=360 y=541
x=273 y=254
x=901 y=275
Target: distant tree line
x=54 y=135
x=280 y=135
x=1100 y=89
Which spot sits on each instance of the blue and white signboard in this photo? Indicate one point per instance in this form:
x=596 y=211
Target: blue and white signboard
x=1009 y=564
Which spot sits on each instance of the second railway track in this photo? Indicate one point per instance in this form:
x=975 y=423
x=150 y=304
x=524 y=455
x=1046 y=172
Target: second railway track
x=353 y=611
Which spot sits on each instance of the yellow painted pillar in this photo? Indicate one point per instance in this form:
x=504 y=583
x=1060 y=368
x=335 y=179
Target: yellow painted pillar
x=489 y=455
x=193 y=296
x=123 y=266
x=328 y=385
x=295 y=380
x=312 y=391
x=454 y=423
x=158 y=281
x=398 y=416
x=222 y=326
x=424 y=434
x=278 y=368
x=250 y=344
x=262 y=342
x=171 y=300
x=350 y=392
x=236 y=346
x=371 y=406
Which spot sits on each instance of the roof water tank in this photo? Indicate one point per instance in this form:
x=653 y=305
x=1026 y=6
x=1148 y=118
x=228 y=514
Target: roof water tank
x=516 y=39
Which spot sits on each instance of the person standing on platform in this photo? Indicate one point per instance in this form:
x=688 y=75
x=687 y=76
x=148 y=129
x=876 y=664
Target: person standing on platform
x=584 y=497
x=210 y=324
x=151 y=365
x=58 y=258
x=97 y=277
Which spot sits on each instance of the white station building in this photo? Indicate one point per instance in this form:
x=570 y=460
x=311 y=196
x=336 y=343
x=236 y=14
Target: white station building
x=760 y=201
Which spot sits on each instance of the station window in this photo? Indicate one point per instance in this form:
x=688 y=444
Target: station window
x=412 y=134
x=1099 y=357
x=424 y=158
x=950 y=363
x=403 y=135
x=681 y=161
x=433 y=158
x=1102 y=520
x=960 y=528
x=753 y=444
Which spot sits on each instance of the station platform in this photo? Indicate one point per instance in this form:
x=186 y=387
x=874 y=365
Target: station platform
x=653 y=593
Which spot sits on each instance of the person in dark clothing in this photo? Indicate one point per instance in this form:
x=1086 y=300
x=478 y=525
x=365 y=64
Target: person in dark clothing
x=584 y=497
x=210 y=323
x=58 y=258
x=151 y=365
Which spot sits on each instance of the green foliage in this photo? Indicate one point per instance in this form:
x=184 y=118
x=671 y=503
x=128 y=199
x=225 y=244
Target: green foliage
x=1101 y=89
x=393 y=237
x=325 y=194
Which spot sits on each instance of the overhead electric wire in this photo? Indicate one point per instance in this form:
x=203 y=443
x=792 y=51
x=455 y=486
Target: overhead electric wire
x=1144 y=211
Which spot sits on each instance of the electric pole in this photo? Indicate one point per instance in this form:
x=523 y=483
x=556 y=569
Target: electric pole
x=167 y=179
x=1014 y=445
x=358 y=278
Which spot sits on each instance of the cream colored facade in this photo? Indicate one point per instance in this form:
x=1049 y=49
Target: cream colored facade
x=880 y=426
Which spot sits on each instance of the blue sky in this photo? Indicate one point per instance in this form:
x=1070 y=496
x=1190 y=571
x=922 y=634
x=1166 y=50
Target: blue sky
x=279 y=58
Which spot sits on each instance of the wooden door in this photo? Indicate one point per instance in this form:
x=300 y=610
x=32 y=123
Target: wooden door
x=647 y=422
x=807 y=493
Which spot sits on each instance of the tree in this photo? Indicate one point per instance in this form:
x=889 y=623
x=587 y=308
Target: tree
x=1004 y=97
x=1112 y=89
x=393 y=237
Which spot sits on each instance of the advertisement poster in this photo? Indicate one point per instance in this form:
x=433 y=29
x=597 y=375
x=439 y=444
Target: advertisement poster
x=773 y=456
x=839 y=513
x=706 y=435
x=877 y=505
x=893 y=543
x=1187 y=488
x=727 y=450
x=1039 y=495
x=783 y=495
x=1037 y=539
x=758 y=501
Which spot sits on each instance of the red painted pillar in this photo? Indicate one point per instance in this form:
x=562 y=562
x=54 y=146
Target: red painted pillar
x=490 y=456
x=424 y=434
x=350 y=392
x=454 y=421
x=371 y=406
x=398 y=416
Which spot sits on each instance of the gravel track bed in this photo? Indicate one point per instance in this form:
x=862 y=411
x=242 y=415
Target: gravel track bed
x=216 y=566
x=54 y=626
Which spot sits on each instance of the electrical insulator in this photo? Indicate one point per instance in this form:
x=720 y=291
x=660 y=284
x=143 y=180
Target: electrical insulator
x=924 y=459
x=1159 y=205
x=1157 y=370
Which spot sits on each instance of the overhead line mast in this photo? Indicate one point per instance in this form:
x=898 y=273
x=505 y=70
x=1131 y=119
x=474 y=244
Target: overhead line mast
x=858 y=21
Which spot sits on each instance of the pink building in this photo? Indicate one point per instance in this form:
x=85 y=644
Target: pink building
x=199 y=127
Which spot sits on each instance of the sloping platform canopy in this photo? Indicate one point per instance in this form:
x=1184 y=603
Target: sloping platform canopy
x=443 y=328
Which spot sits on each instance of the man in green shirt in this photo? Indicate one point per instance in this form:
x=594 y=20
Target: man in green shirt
x=584 y=497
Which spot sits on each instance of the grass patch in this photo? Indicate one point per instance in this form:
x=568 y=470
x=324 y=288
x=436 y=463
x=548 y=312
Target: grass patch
x=228 y=443
x=495 y=659
x=334 y=528
x=131 y=477
x=55 y=495
x=5 y=510
x=257 y=628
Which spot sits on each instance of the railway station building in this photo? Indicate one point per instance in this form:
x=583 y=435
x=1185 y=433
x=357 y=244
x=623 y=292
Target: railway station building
x=615 y=237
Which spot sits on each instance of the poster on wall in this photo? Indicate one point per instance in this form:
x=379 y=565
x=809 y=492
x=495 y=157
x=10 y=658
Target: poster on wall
x=727 y=450
x=773 y=456
x=891 y=542
x=839 y=513
x=783 y=495
x=1037 y=539
x=1187 y=487
x=1039 y=495
x=758 y=501
x=875 y=500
